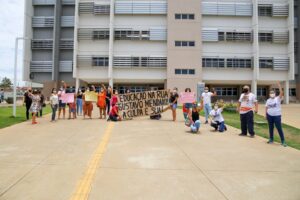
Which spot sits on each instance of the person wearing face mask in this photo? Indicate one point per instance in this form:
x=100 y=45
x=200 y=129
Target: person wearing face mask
x=54 y=104
x=79 y=102
x=217 y=121
x=87 y=105
x=247 y=103
x=194 y=118
x=273 y=115
x=62 y=105
x=173 y=103
x=102 y=101
x=206 y=102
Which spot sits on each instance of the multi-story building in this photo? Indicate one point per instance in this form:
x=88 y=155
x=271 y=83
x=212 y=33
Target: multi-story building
x=295 y=91
x=143 y=44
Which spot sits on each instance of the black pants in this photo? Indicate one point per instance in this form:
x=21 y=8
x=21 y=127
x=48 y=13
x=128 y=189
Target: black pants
x=108 y=106
x=27 y=111
x=247 y=124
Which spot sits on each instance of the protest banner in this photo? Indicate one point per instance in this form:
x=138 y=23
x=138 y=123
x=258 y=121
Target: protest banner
x=67 y=97
x=142 y=103
x=91 y=96
x=187 y=97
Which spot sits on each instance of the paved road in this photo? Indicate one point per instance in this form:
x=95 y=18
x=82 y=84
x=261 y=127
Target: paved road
x=141 y=159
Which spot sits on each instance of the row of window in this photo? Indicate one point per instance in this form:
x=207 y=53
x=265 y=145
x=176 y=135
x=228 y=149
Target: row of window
x=184 y=43
x=185 y=16
x=261 y=91
x=185 y=71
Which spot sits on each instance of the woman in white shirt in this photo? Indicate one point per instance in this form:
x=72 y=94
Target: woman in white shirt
x=218 y=121
x=54 y=103
x=273 y=115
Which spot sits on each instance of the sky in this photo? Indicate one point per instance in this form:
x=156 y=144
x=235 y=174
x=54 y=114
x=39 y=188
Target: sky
x=11 y=26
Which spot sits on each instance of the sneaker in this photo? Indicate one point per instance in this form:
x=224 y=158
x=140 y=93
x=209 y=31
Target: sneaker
x=270 y=142
x=252 y=136
x=284 y=144
x=241 y=134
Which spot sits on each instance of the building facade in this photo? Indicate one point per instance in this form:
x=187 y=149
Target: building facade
x=156 y=44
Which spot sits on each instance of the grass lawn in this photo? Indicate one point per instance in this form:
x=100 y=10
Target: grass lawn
x=292 y=134
x=6 y=118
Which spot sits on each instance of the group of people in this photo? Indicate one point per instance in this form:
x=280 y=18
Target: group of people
x=107 y=104
x=246 y=107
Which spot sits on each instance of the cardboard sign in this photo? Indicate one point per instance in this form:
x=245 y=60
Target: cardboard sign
x=91 y=96
x=67 y=97
x=142 y=103
x=187 y=97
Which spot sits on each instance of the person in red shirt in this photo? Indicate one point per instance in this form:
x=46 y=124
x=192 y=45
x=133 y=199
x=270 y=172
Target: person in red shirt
x=114 y=114
x=114 y=98
x=72 y=109
x=102 y=102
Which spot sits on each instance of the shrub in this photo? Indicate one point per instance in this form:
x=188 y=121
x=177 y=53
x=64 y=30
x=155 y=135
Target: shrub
x=9 y=100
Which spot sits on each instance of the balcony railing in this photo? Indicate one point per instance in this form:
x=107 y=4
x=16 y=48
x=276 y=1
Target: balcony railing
x=92 y=61
x=43 y=2
x=225 y=8
x=67 y=21
x=140 y=7
x=40 y=22
x=134 y=61
x=66 y=44
x=42 y=44
x=68 y=2
x=65 y=66
x=41 y=66
x=281 y=64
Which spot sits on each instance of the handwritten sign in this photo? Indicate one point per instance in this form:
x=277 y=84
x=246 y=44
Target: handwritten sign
x=67 y=97
x=187 y=97
x=142 y=103
x=91 y=96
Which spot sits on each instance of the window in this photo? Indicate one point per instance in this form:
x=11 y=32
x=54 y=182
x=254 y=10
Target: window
x=184 y=43
x=238 y=36
x=265 y=10
x=131 y=35
x=213 y=62
x=239 y=63
x=261 y=92
x=185 y=71
x=265 y=37
x=185 y=16
x=292 y=92
x=221 y=36
x=266 y=62
x=226 y=91
x=100 y=61
x=100 y=35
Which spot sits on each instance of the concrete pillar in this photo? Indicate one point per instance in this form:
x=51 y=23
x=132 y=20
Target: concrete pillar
x=254 y=87
x=286 y=92
x=111 y=43
x=77 y=84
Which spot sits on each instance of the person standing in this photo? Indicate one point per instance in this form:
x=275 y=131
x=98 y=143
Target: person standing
x=247 y=103
x=42 y=104
x=54 y=104
x=35 y=105
x=206 y=102
x=101 y=103
x=273 y=115
x=27 y=101
x=1 y=95
x=79 y=102
x=62 y=105
x=108 y=98
x=173 y=100
x=87 y=105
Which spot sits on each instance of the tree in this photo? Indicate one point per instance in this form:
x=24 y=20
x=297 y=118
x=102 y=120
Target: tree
x=5 y=83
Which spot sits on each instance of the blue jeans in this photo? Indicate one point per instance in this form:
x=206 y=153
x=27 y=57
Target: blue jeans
x=207 y=109
x=219 y=126
x=277 y=121
x=54 y=109
x=79 y=106
x=247 y=123
x=195 y=127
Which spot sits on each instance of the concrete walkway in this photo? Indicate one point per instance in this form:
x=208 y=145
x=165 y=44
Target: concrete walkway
x=290 y=114
x=141 y=159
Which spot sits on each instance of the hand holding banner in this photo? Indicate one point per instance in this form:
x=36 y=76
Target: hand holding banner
x=187 y=97
x=91 y=96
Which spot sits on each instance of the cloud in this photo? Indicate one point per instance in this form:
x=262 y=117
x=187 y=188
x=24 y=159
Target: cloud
x=11 y=26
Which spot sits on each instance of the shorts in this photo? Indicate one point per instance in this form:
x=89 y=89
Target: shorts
x=113 y=118
x=61 y=104
x=72 y=110
x=188 y=105
x=174 y=106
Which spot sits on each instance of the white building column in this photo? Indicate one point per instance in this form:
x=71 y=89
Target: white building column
x=291 y=48
x=255 y=48
x=77 y=84
x=286 y=92
x=111 y=43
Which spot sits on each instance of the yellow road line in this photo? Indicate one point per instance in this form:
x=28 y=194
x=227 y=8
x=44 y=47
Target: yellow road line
x=84 y=186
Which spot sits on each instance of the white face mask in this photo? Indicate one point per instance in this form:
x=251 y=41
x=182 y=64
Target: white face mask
x=206 y=91
x=174 y=91
x=272 y=95
x=216 y=107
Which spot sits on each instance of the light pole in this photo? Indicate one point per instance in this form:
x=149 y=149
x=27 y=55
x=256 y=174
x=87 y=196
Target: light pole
x=15 y=73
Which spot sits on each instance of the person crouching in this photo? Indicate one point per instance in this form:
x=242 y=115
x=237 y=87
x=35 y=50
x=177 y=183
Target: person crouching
x=114 y=114
x=217 y=121
x=194 y=118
